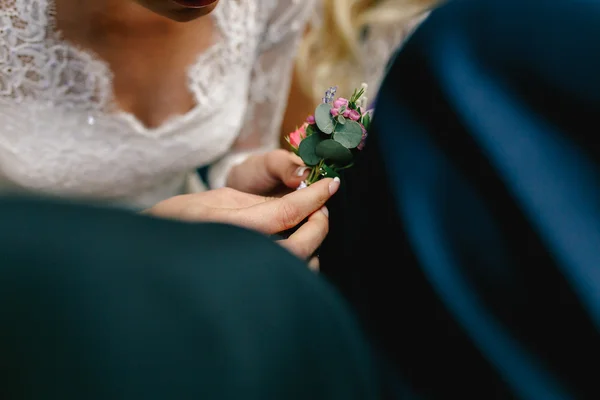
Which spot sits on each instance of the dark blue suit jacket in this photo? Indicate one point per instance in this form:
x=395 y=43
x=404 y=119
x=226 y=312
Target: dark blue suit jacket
x=468 y=234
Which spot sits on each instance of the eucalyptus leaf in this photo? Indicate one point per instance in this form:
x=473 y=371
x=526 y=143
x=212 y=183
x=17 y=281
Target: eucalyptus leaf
x=341 y=119
x=349 y=134
x=331 y=150
x=307 y=150
x=324 y=119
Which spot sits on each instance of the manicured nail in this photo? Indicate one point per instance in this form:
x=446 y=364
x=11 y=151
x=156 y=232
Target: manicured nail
x=334 y=185
x=325 y=211
x=301 y=170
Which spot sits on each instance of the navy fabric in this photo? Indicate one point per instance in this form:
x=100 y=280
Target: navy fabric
x=468 y=234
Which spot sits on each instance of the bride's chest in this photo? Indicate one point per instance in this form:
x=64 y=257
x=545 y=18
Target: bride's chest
x=149 y=68
x=45 y=148
x=149 y=83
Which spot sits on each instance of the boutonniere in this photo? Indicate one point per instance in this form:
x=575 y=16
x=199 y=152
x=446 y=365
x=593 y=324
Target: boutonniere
x=330 y=138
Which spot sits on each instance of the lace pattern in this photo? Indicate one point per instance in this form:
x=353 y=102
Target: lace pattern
x=61 y=132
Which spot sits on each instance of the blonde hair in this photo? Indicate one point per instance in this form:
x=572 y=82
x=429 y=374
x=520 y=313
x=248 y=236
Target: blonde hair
x=334 y=42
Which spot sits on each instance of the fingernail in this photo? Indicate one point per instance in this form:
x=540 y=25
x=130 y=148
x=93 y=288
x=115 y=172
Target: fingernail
x=301 y=170
x=325 y=211
x=334 y=185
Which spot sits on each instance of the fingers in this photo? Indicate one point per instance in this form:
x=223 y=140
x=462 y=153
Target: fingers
x=206 y=206
x=307 y=239
x=278 y=215
x=296 y=159
x=231 y=198
x=287 y=167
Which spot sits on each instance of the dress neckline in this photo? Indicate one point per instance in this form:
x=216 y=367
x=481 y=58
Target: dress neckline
x=211 y=57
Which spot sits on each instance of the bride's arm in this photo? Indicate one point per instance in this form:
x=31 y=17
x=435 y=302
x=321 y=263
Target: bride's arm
x=269 y=87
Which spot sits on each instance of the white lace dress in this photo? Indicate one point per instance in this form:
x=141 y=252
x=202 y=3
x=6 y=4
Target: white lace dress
x=61 y=133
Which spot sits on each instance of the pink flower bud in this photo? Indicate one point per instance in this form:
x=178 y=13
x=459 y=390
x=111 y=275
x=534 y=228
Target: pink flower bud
x=354 y=115
x=335 y=112
x=297 y=136
x=310 y=119
x=340 y=102
x=346 y=113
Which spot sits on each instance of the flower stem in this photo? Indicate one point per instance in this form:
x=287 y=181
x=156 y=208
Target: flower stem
x=315 y=173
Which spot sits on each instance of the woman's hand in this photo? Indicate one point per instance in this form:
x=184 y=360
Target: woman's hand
x=271 y=174
x=264 y=214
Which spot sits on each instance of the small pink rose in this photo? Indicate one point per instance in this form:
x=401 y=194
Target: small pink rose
x=335 y=112
x=297 y=136
x=346 y=113
x=310 y=119
x=354 y=115
x=340 y=102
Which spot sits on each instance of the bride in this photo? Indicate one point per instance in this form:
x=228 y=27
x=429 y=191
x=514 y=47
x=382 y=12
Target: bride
x=121 y=101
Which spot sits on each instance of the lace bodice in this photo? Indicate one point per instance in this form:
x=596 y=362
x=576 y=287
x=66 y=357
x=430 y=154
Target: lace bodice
x=62 y=134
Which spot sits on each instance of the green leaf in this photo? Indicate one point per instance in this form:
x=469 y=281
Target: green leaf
x=341 y=119
x=310 y=129
x=356 y=95
x=366 y=121
x=348 y=135
x=328 y=172
x=324 y=119
x=307 y=150
x=331 y=150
